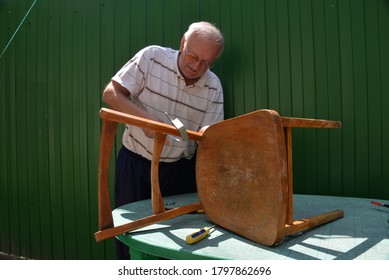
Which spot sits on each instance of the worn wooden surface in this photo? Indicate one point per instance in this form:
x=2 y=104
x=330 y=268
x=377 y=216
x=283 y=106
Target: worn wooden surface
x=241 y=175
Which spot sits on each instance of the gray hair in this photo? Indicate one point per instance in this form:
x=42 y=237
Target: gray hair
x=205 y=29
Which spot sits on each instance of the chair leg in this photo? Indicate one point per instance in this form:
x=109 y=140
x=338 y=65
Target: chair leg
x=150 y=220
x=308 y=223
x=106 y=143
x=156 y=196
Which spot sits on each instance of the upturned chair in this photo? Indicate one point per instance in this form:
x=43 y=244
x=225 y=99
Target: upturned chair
x=244 y=173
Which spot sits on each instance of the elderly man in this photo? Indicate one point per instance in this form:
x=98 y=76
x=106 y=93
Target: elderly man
x=158 y=80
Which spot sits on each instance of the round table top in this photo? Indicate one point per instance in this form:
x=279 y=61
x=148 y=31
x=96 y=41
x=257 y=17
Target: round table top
x=362 y=233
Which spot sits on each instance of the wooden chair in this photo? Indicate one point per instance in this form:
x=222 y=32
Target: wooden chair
x=243 y=172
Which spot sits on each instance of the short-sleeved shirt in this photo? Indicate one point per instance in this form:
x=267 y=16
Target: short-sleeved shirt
x=155 y=84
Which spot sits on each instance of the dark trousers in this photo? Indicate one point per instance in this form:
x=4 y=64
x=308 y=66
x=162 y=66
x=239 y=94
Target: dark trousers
x=133 y=182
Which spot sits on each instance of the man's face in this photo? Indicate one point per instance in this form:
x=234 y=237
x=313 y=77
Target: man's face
x=197 y=55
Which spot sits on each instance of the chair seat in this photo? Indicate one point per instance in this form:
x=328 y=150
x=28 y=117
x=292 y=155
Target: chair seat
x=241 y=175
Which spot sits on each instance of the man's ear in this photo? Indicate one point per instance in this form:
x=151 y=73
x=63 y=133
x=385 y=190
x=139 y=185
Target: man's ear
x=182 y=43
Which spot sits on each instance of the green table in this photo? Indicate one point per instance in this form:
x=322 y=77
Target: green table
x=362 y=234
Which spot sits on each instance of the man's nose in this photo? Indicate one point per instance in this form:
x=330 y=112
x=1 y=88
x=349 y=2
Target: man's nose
x=196 y=65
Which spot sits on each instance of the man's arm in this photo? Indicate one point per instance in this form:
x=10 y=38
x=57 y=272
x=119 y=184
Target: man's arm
x=117 y=98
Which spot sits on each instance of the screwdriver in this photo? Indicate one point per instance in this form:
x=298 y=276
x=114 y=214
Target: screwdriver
x=198 y=235
x=380 y=204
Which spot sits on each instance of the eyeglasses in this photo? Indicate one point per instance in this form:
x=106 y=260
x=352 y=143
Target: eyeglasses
x=194 y=59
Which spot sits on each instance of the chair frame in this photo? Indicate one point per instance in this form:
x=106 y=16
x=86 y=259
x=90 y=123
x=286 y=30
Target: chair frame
x=111 y=118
